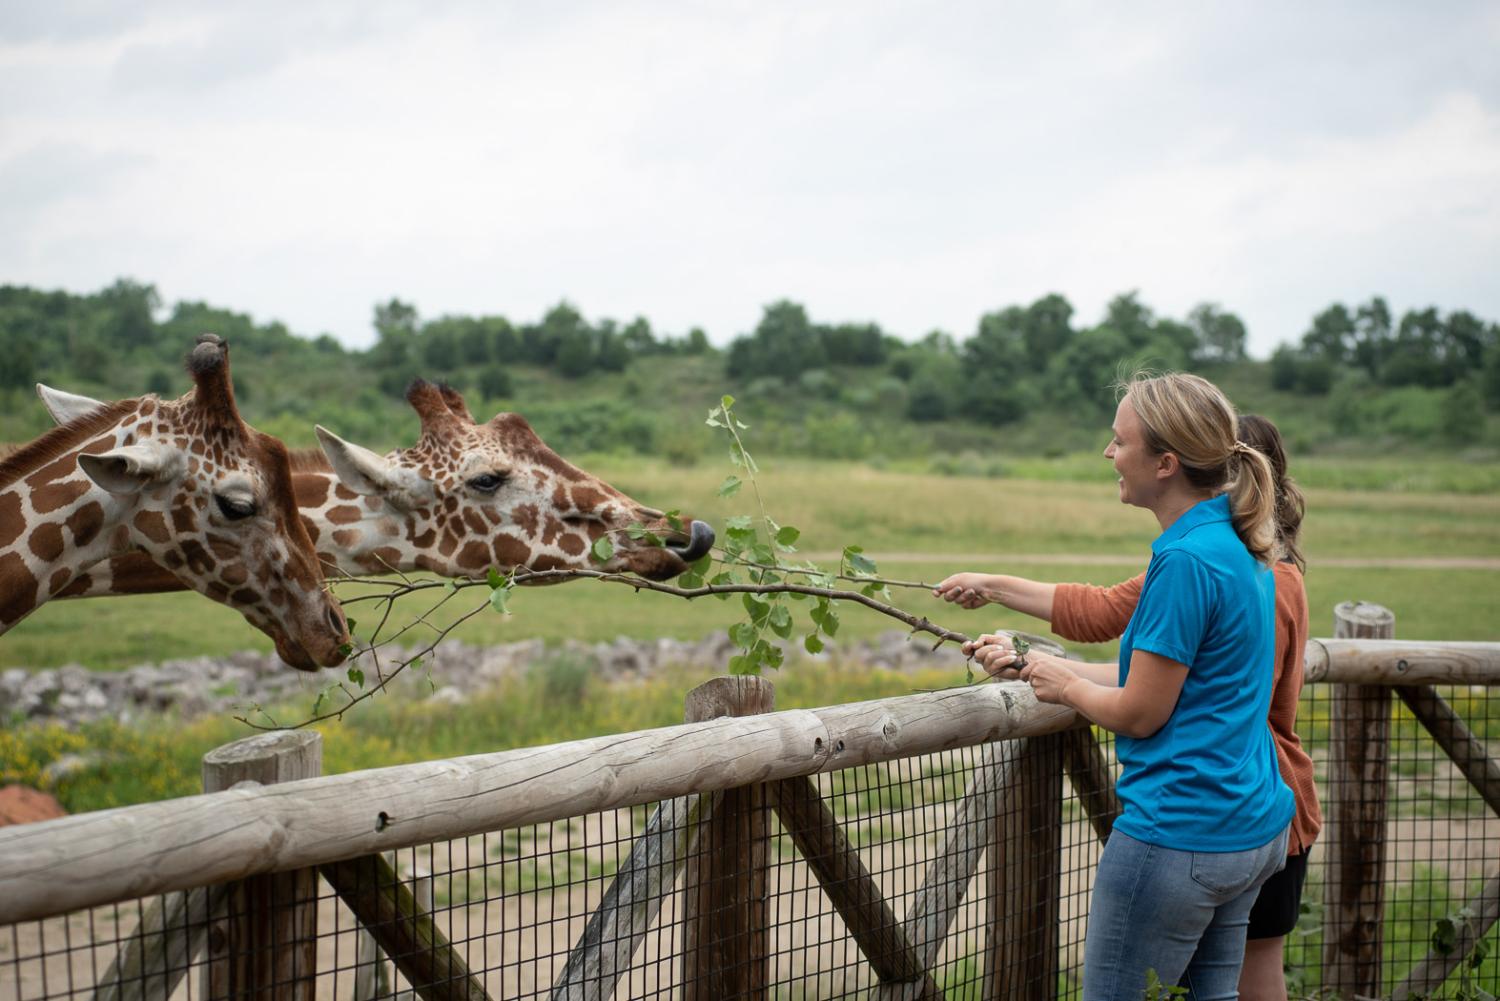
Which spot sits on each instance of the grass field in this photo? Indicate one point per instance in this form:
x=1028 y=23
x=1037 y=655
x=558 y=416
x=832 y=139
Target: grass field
x=921 y=527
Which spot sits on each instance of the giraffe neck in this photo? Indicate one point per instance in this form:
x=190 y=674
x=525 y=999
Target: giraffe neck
x=55 y=522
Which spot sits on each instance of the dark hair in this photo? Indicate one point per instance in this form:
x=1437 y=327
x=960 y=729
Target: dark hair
x=1262 y=435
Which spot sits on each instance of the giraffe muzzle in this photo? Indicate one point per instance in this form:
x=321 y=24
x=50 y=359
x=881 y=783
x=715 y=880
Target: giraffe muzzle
x=699 y=541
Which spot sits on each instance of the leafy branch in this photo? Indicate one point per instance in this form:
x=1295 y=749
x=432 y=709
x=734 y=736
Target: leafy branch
x=752 y=562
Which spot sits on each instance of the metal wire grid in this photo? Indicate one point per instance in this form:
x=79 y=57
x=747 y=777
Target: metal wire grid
x=513 y=903
x=1442 y=841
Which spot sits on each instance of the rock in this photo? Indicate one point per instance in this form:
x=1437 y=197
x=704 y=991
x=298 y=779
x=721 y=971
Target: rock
x=66 y=766
x=23 y=805
x=190 y=687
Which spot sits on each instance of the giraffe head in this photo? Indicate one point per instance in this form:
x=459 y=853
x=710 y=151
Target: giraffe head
x=472 y=495
x=210 y=498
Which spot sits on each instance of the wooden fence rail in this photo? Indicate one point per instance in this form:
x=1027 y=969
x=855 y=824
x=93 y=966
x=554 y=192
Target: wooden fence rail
x=716 y=780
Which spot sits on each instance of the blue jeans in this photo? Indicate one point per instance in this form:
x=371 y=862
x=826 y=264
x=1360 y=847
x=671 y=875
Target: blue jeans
x=1182 y=914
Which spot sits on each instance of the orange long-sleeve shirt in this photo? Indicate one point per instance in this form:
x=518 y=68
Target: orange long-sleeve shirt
x=1084 y=613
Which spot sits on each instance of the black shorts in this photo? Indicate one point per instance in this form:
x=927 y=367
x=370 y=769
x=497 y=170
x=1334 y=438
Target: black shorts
x=1280 y=901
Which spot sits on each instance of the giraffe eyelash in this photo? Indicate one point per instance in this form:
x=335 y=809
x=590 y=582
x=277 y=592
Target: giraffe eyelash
x=234 y=510
x=488 y=483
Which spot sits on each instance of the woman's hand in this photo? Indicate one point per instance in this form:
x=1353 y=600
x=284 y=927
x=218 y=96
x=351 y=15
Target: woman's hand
x=967 y=590
x=996 y=653
x=1048 y=677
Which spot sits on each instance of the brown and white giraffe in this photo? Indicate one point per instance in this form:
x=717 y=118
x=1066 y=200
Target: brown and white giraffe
x=467 y=497
x=187 y=483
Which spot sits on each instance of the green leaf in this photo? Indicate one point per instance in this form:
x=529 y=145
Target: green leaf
x=742 y=634
x=690 y=581
x=451 y=587
x=1444 y=937
x=762 y=553
x=831 y=622
x=602 y=549
x=351 y=623
x=499 y=598
x=345 y=649
x=858 y=562
x=729 y=487
x=757 y=606
x=674 y=520
x=1020 y=644
x=635 y=530
x=739 y=523
x=703 y=564
x=357 y=676
x=741 y=664
x=722 y=580
x=494 y=578
x=726 y=401
x=767 y=653
x=786 y=536
x=812 y=644
x=781 y=621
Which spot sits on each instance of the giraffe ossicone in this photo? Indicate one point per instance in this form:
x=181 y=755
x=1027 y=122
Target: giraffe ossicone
x=467 y=497
x=187 y=483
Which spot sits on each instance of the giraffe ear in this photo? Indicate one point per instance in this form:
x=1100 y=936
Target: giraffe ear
x=358 y=468
x=131 y=468
x=65 y=407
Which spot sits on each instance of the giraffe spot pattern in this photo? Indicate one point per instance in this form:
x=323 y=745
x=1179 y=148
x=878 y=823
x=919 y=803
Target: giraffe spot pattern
x=153 y=526
x=344 y=514
x=11 y=522
x=58 y=495
x=17 y=588
x=85 y=523
x=46 y=542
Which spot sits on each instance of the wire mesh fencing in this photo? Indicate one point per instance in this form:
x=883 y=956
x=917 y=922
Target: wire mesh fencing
x=962 y=874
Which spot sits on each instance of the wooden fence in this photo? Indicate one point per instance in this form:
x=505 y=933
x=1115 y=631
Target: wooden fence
x=234 y=871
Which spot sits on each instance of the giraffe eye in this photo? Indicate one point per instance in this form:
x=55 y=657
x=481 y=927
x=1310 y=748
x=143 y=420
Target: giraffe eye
x=234 y=510
x=487 y=483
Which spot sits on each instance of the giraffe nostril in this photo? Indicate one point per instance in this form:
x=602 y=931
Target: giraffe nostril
x=336 y=620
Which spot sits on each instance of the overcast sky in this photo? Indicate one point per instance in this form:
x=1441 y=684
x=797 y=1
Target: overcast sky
x=912 y=164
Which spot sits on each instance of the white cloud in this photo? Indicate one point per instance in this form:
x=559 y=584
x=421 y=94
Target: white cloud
x=912 y=165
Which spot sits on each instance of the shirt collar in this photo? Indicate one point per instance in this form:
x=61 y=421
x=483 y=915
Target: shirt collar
x=1202 y=513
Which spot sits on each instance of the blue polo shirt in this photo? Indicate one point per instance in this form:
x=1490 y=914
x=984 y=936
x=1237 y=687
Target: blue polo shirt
x=1207 y=780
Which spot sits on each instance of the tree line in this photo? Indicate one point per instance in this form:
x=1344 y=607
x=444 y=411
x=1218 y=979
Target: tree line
x=1018 y=360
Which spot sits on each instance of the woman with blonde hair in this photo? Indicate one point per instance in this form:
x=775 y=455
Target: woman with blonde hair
x=1088 y=614
x=1205 y=811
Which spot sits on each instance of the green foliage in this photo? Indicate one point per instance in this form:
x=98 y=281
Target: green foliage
x=1030 y=378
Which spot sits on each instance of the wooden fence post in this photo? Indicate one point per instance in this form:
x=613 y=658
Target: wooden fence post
x=1025 y=877
x=265 y=944
x=1354 y=894
x=1090 y=776
x=725 y=946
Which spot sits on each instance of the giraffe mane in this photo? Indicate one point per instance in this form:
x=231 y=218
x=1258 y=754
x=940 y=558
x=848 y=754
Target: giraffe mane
x=60 y=440
x=309 y=460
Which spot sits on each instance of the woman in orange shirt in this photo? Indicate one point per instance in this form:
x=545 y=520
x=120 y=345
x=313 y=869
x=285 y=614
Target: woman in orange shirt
x=1087 y=614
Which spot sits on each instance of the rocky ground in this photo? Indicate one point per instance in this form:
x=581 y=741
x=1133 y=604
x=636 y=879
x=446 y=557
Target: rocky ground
x=186 y=688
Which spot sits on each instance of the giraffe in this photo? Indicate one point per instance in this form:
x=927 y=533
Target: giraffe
x=466 y=497
x=189 y=484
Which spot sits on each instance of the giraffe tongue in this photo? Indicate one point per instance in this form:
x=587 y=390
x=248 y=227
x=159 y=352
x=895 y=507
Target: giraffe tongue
x=700 y=541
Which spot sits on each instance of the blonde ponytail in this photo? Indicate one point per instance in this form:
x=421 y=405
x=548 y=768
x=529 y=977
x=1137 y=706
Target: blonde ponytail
x=1188 y=416
x=1252 y=504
